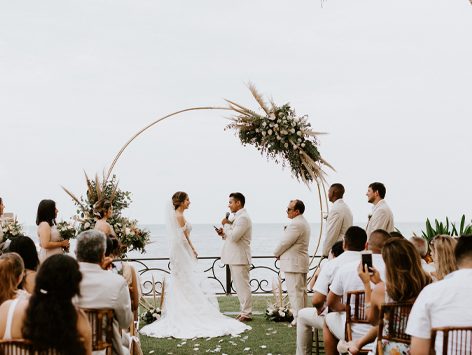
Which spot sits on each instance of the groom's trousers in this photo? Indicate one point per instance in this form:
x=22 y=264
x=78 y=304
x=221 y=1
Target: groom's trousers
x=296 y=289
x=240 y=276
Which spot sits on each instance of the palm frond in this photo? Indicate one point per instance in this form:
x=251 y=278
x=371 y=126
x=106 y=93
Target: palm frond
x=97 y=187
x=313 y=134
x=114 y=192
x=89 y=186
x=72 y=195
x=258 y=98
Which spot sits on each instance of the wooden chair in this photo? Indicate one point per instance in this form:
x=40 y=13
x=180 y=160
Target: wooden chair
x=24 y=347
x=456 y=340
x=394 y=316
x=359 y=313
x=101 y=321
x=317 y=347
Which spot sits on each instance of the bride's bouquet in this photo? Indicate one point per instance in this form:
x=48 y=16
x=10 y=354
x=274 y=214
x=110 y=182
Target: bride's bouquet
x=67 y=231
x=11 y=229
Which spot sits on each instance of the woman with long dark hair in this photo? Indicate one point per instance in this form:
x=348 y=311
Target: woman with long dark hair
x=50 y=319
x=25 y=247
x=49 y=237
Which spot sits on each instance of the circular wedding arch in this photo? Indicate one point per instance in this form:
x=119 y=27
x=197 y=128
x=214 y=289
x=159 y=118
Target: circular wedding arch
x=319 y=182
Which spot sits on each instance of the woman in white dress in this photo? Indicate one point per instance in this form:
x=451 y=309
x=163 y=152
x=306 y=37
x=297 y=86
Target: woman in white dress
x=50 y=239
x=188 y=310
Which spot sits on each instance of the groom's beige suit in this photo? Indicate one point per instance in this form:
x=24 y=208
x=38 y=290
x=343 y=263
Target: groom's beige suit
x=237 y=254
x=294 y=261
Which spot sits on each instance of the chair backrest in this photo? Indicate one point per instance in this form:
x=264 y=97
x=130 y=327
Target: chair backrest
x=24 y=347
x=394 y=319
x=359 y=314
x=455 y=340
x=101 y=321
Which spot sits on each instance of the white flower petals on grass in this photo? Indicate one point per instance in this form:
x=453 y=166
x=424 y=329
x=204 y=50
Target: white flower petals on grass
x=246 y=349
x=220 y=341
x=263 y=346
x=196 y=349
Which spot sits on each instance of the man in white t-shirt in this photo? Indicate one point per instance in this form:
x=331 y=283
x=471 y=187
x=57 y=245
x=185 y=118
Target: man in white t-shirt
x=347 y=280
x=443 y=304
x=354 y=242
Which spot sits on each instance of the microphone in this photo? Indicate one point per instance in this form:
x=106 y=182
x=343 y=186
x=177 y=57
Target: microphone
x=227 y=215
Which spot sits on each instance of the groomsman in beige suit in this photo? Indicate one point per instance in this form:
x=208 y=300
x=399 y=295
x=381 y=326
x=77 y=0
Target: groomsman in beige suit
x=292 y=251
x=382 y=216
x=236 y=253
x=339 y=219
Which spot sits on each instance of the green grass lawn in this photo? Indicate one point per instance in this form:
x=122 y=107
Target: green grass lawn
x=265 y=337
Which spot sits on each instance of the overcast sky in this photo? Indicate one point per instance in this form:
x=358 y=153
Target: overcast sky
x=391 y=82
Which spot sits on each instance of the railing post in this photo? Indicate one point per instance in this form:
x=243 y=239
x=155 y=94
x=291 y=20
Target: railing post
x=228 y=281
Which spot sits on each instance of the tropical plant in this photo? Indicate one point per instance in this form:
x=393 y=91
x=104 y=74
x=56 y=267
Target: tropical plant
x=448 y=228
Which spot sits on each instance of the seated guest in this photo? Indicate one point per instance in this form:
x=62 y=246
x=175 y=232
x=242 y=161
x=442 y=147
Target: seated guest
x=49 y=319
x=421 y=245
x=404 y=280
x=102 y=289
x=442 y=252
x=443 y=304
x=354 y=242
x=25 y=247
x=11 y=275
x=334 y=253
x=346 y=280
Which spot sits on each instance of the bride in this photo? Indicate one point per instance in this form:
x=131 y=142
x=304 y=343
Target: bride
x=188 y=311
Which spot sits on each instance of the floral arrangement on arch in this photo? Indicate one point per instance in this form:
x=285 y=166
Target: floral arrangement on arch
x=282 y=136
x=127 y=231
x=11 y=229
x=279 y=311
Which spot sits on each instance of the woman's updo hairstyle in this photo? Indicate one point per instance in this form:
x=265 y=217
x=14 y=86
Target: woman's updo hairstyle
x=101 y=207
x=178 y=198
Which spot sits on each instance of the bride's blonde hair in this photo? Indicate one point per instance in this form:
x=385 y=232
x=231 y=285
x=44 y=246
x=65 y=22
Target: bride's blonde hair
x=178 y=198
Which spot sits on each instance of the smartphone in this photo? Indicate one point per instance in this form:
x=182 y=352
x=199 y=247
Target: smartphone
x=117 y=267
x=216 y=228
x=366 y=257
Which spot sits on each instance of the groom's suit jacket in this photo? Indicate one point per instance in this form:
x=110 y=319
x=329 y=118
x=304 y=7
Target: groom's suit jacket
x=238 y=235
x=293 y=247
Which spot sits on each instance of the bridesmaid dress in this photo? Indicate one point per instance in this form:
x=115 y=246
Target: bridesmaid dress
x=46 y=253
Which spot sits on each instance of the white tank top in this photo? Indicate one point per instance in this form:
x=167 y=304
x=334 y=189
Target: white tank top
x=11 y=311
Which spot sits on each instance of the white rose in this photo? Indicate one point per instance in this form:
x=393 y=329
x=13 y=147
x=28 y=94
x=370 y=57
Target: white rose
x=279 y=138
x=293 y=124
x=279 y=120
x=296 y=119
x=299 y=139
x=303 y=144
x=86 y=225
x=155 y=315
x=276 y=125
x=13 y=233
x=286 y=145
x=282 y=314
x=264 y=133
x=271 y=125
x=127 y=231
x=299 y=133
x=270 y=132
x=292 y=130
x=272 y=117
x=264 y=124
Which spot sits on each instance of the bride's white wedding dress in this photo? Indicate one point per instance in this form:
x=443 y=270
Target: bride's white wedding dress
x=189 y=310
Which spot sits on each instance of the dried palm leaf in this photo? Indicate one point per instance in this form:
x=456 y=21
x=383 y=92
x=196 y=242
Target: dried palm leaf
x=154 y=292
x=161 y=303
x=142 y=297
x=89 y=186
x=246 y=110
x=72 y=195
x=258 y=98
x=313 y=134
x=97 y=186
x=326 y=163
x=114 y=192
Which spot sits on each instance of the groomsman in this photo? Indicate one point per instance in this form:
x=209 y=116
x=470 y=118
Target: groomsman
x=339 y=219
x=236 y=253
x=382 y=216
x=292 y=251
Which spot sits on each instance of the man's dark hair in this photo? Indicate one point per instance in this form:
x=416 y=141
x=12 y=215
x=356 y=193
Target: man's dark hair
x=238 y=196
x=463 y=250
x=378 y=186
x=355 y=238
x=396 y=234
x=299 y=205
x=338 y=190
x=337 y=248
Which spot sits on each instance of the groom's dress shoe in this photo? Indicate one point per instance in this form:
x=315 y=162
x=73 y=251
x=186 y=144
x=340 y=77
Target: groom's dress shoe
x=244 y=319
x=239 y=316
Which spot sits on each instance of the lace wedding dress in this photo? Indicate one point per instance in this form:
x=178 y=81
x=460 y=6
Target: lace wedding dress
x=189 y=309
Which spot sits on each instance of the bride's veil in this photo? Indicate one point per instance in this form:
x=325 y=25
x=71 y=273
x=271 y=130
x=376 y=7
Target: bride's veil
x=186 y=275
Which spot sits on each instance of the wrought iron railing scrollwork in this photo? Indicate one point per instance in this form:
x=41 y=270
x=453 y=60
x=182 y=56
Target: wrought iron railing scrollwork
x=215 y=271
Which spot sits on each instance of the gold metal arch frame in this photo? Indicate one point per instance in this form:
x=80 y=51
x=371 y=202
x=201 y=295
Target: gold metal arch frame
x=318 y=181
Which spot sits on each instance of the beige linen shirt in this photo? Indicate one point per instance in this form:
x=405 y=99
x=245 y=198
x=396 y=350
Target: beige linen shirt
x=293 y=247
x=382 y=218
x=339 y=220
x=237 y=237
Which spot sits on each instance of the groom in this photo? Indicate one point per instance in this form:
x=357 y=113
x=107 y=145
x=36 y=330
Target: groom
x=236 y=252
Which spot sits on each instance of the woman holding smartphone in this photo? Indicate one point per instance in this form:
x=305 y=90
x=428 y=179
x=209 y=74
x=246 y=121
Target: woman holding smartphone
x=405 y=278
